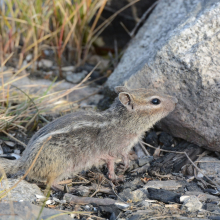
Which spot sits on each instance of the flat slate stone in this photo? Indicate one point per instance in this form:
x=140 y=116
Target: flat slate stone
x=26 y=210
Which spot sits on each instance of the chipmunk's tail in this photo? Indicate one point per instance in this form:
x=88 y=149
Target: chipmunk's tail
x=9 y=166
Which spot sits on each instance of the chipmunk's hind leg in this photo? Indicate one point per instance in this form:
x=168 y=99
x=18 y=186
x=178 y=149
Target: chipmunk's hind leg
x=111 y=170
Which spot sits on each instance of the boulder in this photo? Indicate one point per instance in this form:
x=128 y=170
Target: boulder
x=177 y=51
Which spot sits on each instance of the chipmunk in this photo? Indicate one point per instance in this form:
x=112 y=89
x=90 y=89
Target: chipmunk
x=84 y=139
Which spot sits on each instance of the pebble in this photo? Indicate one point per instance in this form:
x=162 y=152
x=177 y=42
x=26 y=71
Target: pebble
x=202 y=196
x=47 y=63
x=7 y=150
x=48 y=202
x=1 y=151
x=29 y=57
x=163 y=195
x=168 y=184
x=135 y=196
x=40 y=196
x=122 y=205
x=68 y=68
x=87 y=207
x=210 y=167
x=192 y=203
x=15 y=155
x=76 y=77
x=48 y=52
x=39 y=64
x=10 y=143
x=59 y=201
x=145 y=160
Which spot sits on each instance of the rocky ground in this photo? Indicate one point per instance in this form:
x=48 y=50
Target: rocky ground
x=162 y=181
x=164 y=185
x=168 y=178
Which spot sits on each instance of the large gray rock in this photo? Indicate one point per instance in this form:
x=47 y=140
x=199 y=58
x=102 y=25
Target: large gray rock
x=178 y=51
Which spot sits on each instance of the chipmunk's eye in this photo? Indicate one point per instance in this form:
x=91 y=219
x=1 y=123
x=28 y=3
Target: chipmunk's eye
x=155 y=101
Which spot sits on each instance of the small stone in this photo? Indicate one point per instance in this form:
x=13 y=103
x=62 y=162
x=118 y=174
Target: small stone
x=184 y=198
x=48 y=202
x=192 y=203
x=145 y=160
x=40 y=196
x=122 y=205
x=76 y=77
x=83 y=191
x=10 y=143
x=139 y=151
x=135 y=196
x=201 y=196
x=210 y=166
x=29 y=57
x=87 y=207
x=39 y=64
x=15 y=155
x=200 y=175
x=163 y=195
x=1 y=151
x=145 y=203
x=168 y=184
x=7 y=150
x=68 y=68
x=47 y=63
x=47 y=52
x=72 y=215
x=140 y=170
x=212 y=208
x=16 y=151
x=63 y=201
x=134 y=184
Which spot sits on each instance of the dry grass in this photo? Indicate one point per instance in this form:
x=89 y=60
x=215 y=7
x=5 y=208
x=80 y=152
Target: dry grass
x=20 y=107
x=30 y=26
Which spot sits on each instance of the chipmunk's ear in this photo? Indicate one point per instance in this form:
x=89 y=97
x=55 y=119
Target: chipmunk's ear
x=119 y=89
x=126 y=99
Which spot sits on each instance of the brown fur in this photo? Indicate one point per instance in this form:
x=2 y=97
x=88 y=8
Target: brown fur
x=83 y=139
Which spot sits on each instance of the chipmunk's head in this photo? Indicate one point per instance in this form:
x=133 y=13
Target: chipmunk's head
x=149 y=103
